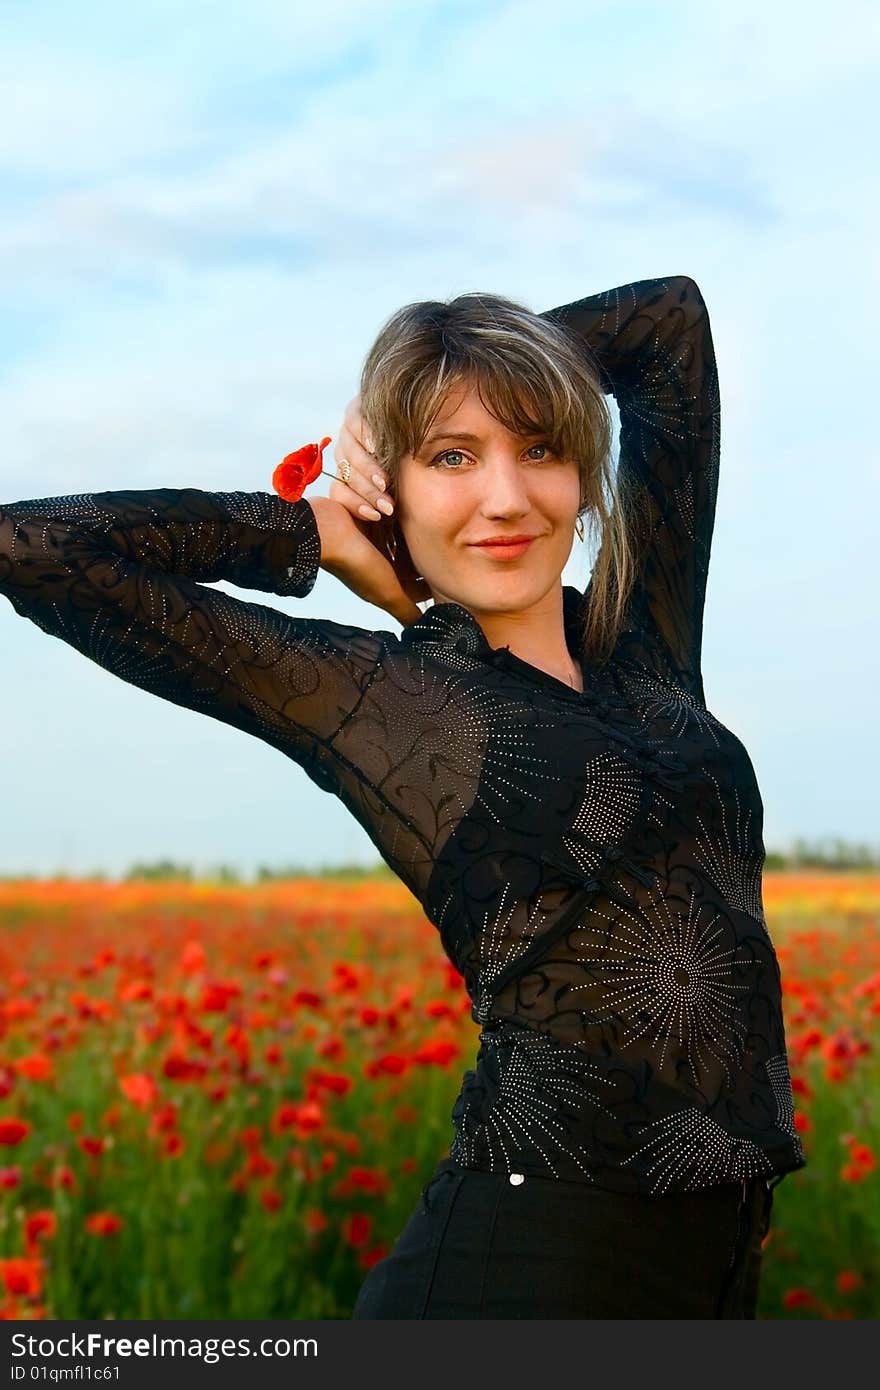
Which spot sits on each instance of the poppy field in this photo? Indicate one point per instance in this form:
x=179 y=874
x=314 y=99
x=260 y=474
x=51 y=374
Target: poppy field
x=222 y=1101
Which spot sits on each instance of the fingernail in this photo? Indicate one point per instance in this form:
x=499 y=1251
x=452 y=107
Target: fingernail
x=379 y=481
x=386 y=504
x=366 y=510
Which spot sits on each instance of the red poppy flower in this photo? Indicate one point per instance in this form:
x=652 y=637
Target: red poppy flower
x=847 y=1280
x=36 y=1066
x=357 y=1228
x=103 y=1223
x=21 y=1276
x=38 y=1224
x=140 y=1088
x=297 y=470
x=93 y=1144
x=13 y=1130
x=371 y=1257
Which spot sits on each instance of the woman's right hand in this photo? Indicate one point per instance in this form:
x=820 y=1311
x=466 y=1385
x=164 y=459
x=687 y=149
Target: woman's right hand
x=351 y=554
x=366 y=484
x=366 y=498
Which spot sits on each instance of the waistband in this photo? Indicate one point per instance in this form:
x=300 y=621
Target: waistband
x=450 y=1167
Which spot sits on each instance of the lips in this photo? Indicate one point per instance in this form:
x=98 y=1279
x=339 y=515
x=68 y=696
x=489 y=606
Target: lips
x=504 y=540
x=508 y=549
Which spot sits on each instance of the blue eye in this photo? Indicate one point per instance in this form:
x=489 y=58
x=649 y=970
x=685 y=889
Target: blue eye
x=441 y=457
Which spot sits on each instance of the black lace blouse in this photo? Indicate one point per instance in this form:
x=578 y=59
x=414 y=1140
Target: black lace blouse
x=592 y=861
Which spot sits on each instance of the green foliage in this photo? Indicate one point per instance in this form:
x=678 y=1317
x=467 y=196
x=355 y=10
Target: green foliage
x=831 y=854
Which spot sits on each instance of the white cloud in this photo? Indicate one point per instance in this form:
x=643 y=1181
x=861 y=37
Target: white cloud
x=210 y=211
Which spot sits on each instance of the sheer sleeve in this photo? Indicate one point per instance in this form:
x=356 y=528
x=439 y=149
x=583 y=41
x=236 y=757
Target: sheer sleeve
x=651 y=345
x=115 y=575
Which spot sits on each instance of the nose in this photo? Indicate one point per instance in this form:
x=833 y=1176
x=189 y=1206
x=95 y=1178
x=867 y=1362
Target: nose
x=504 y=489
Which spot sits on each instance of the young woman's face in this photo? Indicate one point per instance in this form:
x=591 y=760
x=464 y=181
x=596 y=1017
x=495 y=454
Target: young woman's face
x=457 y=492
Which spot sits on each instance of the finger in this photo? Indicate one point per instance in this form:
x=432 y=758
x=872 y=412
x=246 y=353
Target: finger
x=360 y=493
x=357 y=426
x=355 y=443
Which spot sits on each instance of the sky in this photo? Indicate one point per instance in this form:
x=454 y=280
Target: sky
x=209 y=211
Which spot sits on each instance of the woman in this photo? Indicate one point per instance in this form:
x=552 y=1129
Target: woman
x=538 y=766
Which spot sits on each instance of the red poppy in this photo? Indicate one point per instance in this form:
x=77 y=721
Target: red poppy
x=391 y=1063
x=36 y=1066
x=438 y=1008
x=259 y=1165
x=216 y=996
x=193 y=958
x=847 y=1280
x=21 y=1276
x=133 y=990
x=178 y=1067
x=368 y=1180
x=368 y=1258
x=297 y=470
x=357 y=1228
x=437 y=1053
x=337 y=1082
x=140 y=1089
x=798 y=1298
x=861 y=1154
x=13 y=1130
x=307 y=996
x=310 y=1116
x=38 y=1224
x=103 y=1223
x=164 y=1118
x=93 y=1144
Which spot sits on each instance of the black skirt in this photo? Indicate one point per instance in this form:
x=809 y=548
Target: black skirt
x=493 y=1245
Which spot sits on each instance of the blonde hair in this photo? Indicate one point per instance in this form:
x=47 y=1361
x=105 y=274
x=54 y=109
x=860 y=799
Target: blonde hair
x=536 y=376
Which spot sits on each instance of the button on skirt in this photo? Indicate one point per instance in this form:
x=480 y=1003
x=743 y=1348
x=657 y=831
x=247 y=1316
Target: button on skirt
x=498 y=1245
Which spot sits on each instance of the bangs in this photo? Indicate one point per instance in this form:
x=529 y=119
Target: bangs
x=521 y=395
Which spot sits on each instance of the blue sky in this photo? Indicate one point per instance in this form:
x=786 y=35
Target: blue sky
x=208 y=212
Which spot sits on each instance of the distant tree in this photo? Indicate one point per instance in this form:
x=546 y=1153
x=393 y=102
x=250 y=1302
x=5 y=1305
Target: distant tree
x=833 y=854
x=161 y=871
x=222 y=873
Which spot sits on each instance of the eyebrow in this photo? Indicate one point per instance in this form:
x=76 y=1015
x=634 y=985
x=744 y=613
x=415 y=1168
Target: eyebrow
x=463 y=437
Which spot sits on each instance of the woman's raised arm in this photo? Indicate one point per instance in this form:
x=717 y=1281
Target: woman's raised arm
x=652 y=344
x=116 y=575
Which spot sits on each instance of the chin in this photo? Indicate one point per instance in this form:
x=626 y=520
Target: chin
x=507 y=594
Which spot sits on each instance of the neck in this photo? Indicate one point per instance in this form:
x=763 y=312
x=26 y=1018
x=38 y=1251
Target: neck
x=536 y=635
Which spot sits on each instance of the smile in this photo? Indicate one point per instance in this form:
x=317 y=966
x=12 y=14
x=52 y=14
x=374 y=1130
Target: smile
x=509 y=550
